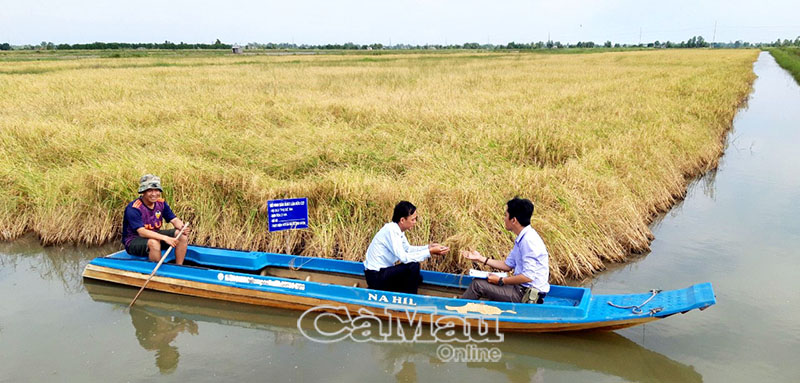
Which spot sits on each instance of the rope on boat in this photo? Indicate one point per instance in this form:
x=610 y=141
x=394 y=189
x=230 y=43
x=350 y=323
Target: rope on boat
x=293 y=268
x=638 y=308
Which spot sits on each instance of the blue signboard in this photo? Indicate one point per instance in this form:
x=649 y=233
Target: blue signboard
x=287 y=214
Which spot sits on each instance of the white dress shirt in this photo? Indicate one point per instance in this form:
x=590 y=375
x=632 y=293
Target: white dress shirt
x=389 y=246
x=529 y=257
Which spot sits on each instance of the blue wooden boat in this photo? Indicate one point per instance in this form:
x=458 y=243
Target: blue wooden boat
x=305 y=283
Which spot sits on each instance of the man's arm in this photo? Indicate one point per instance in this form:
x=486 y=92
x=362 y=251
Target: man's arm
x=433 y=248
x=513 y=280
x=149 y=234
x=477 y=257
x=497 y=264
x=178 y=224
x=412 y=248
x=396 y=244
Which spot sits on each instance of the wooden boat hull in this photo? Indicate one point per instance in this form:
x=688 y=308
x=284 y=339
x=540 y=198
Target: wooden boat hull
x=597 y=351
x=566 y=308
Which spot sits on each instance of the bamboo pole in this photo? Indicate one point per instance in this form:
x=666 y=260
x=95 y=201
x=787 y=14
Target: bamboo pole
x=157 y=266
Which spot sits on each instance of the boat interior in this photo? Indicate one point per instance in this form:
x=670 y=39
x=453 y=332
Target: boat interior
x=351 y=280
x=336 y=272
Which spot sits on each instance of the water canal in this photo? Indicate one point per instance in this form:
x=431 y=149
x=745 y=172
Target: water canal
x=737 y=228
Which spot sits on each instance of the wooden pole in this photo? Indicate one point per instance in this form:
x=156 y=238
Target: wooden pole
x=157 y=266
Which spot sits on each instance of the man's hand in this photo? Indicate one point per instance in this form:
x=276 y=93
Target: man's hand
x=437 y=249
x=493 y=279
x=472 y=255
x=172 y=241
x=186 y=230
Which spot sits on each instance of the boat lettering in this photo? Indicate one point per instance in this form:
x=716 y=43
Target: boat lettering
x=406 y=301
x=260 y=282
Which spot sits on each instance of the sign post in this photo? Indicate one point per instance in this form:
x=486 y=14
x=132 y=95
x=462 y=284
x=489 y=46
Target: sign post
x=287 y=214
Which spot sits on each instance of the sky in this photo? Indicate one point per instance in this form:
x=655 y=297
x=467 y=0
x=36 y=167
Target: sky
x=415 y=22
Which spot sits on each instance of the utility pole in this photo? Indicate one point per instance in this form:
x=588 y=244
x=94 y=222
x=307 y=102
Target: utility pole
x=714 y=38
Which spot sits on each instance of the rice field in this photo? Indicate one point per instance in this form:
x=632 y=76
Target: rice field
x=601 y=143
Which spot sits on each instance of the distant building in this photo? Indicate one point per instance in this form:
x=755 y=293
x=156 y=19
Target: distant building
x=236 y=49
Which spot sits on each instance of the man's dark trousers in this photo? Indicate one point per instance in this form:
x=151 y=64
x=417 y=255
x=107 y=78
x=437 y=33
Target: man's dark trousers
x=402 y=278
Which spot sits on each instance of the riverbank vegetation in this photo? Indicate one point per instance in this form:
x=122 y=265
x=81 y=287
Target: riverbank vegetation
x=601 y=143
x=788 y=58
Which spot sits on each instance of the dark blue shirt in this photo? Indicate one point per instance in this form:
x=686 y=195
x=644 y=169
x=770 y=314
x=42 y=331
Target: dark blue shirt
x=137 y=215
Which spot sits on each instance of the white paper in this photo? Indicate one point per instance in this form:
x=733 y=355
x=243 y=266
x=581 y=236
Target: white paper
x=485 y=274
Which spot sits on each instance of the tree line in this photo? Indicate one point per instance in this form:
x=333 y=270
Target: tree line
x=44 y=45
x=693 y=42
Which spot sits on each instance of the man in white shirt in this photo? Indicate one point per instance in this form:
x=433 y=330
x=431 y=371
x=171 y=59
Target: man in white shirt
x=529 y=260
x=390 y=246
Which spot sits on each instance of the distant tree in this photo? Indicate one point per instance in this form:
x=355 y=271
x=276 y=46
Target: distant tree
x=44 y=45
x=607 y=44
x=5 y=47
x=217 y=42
x=513 y=45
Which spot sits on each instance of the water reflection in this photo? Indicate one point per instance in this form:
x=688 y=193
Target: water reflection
x=54 y=263
x=159 y=318
x=156 y=332
x=738 y=229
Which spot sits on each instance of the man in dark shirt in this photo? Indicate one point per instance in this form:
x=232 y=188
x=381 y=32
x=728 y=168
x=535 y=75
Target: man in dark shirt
x=141 y=226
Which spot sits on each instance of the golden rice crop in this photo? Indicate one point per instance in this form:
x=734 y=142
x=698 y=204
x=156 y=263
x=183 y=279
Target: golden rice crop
x=601 y=143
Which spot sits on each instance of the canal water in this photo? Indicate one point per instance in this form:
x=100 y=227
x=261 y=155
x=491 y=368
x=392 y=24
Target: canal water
x=737 y=228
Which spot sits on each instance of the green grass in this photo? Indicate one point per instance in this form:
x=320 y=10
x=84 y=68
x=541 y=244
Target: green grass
x=788 y=58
